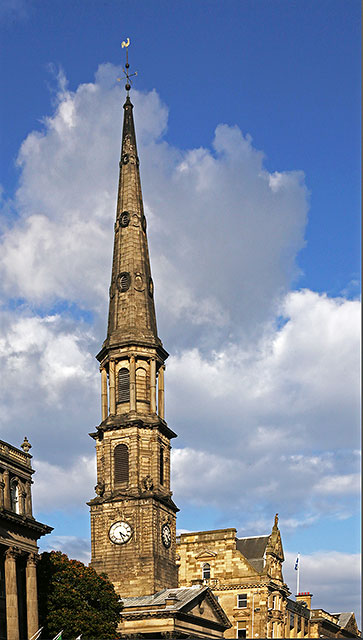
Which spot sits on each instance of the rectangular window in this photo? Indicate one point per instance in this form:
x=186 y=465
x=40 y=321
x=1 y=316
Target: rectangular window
x=242 y=601
x=241 y=629
x=298 y=624
x=276 y=602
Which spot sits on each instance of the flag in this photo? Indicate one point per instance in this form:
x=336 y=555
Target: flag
x=36 y=634
x=297 y=562
x=58 y=636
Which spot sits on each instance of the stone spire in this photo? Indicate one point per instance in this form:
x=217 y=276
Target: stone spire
x=131 y=317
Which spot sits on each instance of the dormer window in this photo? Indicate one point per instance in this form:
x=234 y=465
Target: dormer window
x=206 y=571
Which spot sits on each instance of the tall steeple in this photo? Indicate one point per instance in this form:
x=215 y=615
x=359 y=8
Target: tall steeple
x=133 y=516
x=131 y=310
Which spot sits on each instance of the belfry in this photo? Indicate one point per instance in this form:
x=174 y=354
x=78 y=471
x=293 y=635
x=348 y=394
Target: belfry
x=133 y=515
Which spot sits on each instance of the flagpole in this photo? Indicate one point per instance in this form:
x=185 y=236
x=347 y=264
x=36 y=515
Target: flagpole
x=298 y=576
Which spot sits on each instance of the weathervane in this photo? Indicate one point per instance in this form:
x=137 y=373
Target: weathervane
x=128 y=75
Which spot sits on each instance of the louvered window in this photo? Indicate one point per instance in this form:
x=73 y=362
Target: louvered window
x=123 y=385
x=161 y=461
x=121 y=460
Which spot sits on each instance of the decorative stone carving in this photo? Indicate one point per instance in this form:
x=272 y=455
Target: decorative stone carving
x=148 y=483
x=26 y=445
x=100 y=488
x=33 y=559
x=139 y=282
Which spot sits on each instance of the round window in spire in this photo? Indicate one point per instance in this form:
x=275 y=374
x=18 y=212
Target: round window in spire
x=151 y=287
x=124 y=219
x=123 y=281
x=125 y=158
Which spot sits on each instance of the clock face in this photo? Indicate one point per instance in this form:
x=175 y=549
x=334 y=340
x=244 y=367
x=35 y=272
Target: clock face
x=120 y=532
x=166 y=535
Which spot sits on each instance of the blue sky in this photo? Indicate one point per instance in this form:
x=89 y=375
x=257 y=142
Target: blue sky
x=230 y=97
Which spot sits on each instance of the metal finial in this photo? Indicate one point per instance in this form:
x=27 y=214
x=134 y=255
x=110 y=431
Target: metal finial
x=128 y=75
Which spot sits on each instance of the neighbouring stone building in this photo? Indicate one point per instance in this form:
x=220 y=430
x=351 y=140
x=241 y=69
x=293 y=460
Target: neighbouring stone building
x=245 y=574
x=207 y=584
x=19 y=533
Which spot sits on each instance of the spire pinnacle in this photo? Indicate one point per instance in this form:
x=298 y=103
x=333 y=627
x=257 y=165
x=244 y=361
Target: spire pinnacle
x=128 y=75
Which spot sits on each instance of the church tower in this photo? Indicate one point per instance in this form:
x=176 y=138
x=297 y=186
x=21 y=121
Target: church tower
x=133 y=516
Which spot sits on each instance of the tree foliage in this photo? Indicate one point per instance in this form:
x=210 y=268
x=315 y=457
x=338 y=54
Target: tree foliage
x=75 y=598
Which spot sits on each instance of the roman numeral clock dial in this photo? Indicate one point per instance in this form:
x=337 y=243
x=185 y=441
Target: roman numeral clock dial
x=120 y=532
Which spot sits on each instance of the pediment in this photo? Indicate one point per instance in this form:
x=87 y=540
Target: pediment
x=206 y=607
x=205 y=554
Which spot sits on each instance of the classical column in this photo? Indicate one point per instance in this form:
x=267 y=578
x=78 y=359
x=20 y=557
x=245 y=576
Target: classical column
x=11 y=595
x=28 y=499
x=161 y=392
x=31 y=594
x=153 y=385
x=132 y=384
x=7 y=501
x=112 y=387
x=104 y=393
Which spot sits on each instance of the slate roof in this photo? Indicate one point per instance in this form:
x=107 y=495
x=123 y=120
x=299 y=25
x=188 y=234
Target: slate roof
x=343 y=618
x=182 y=600
x=182 y=597
x=253 y=549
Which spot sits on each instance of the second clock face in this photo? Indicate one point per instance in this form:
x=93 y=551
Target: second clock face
x=166 y=535
x=120 y=532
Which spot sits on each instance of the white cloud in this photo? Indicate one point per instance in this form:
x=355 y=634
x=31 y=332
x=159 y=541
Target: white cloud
x=254 y=400
x=61 y=487
x=332 y=577
x=224 y=232
x=75 y=548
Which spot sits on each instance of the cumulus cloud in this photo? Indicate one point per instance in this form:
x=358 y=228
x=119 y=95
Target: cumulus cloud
x=49 y=389
x=224 y=232
x=293 y=391
x=70 y=487
x=263 y=382
x=332 y=577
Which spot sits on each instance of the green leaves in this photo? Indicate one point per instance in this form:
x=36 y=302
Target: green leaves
x=75 y=598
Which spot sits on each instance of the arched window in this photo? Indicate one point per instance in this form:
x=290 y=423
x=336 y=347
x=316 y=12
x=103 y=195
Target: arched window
x=206 y=571
x=123 y=385
x=161 y=465
x=142 y=390
x=121 y=464
x=14 y=496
